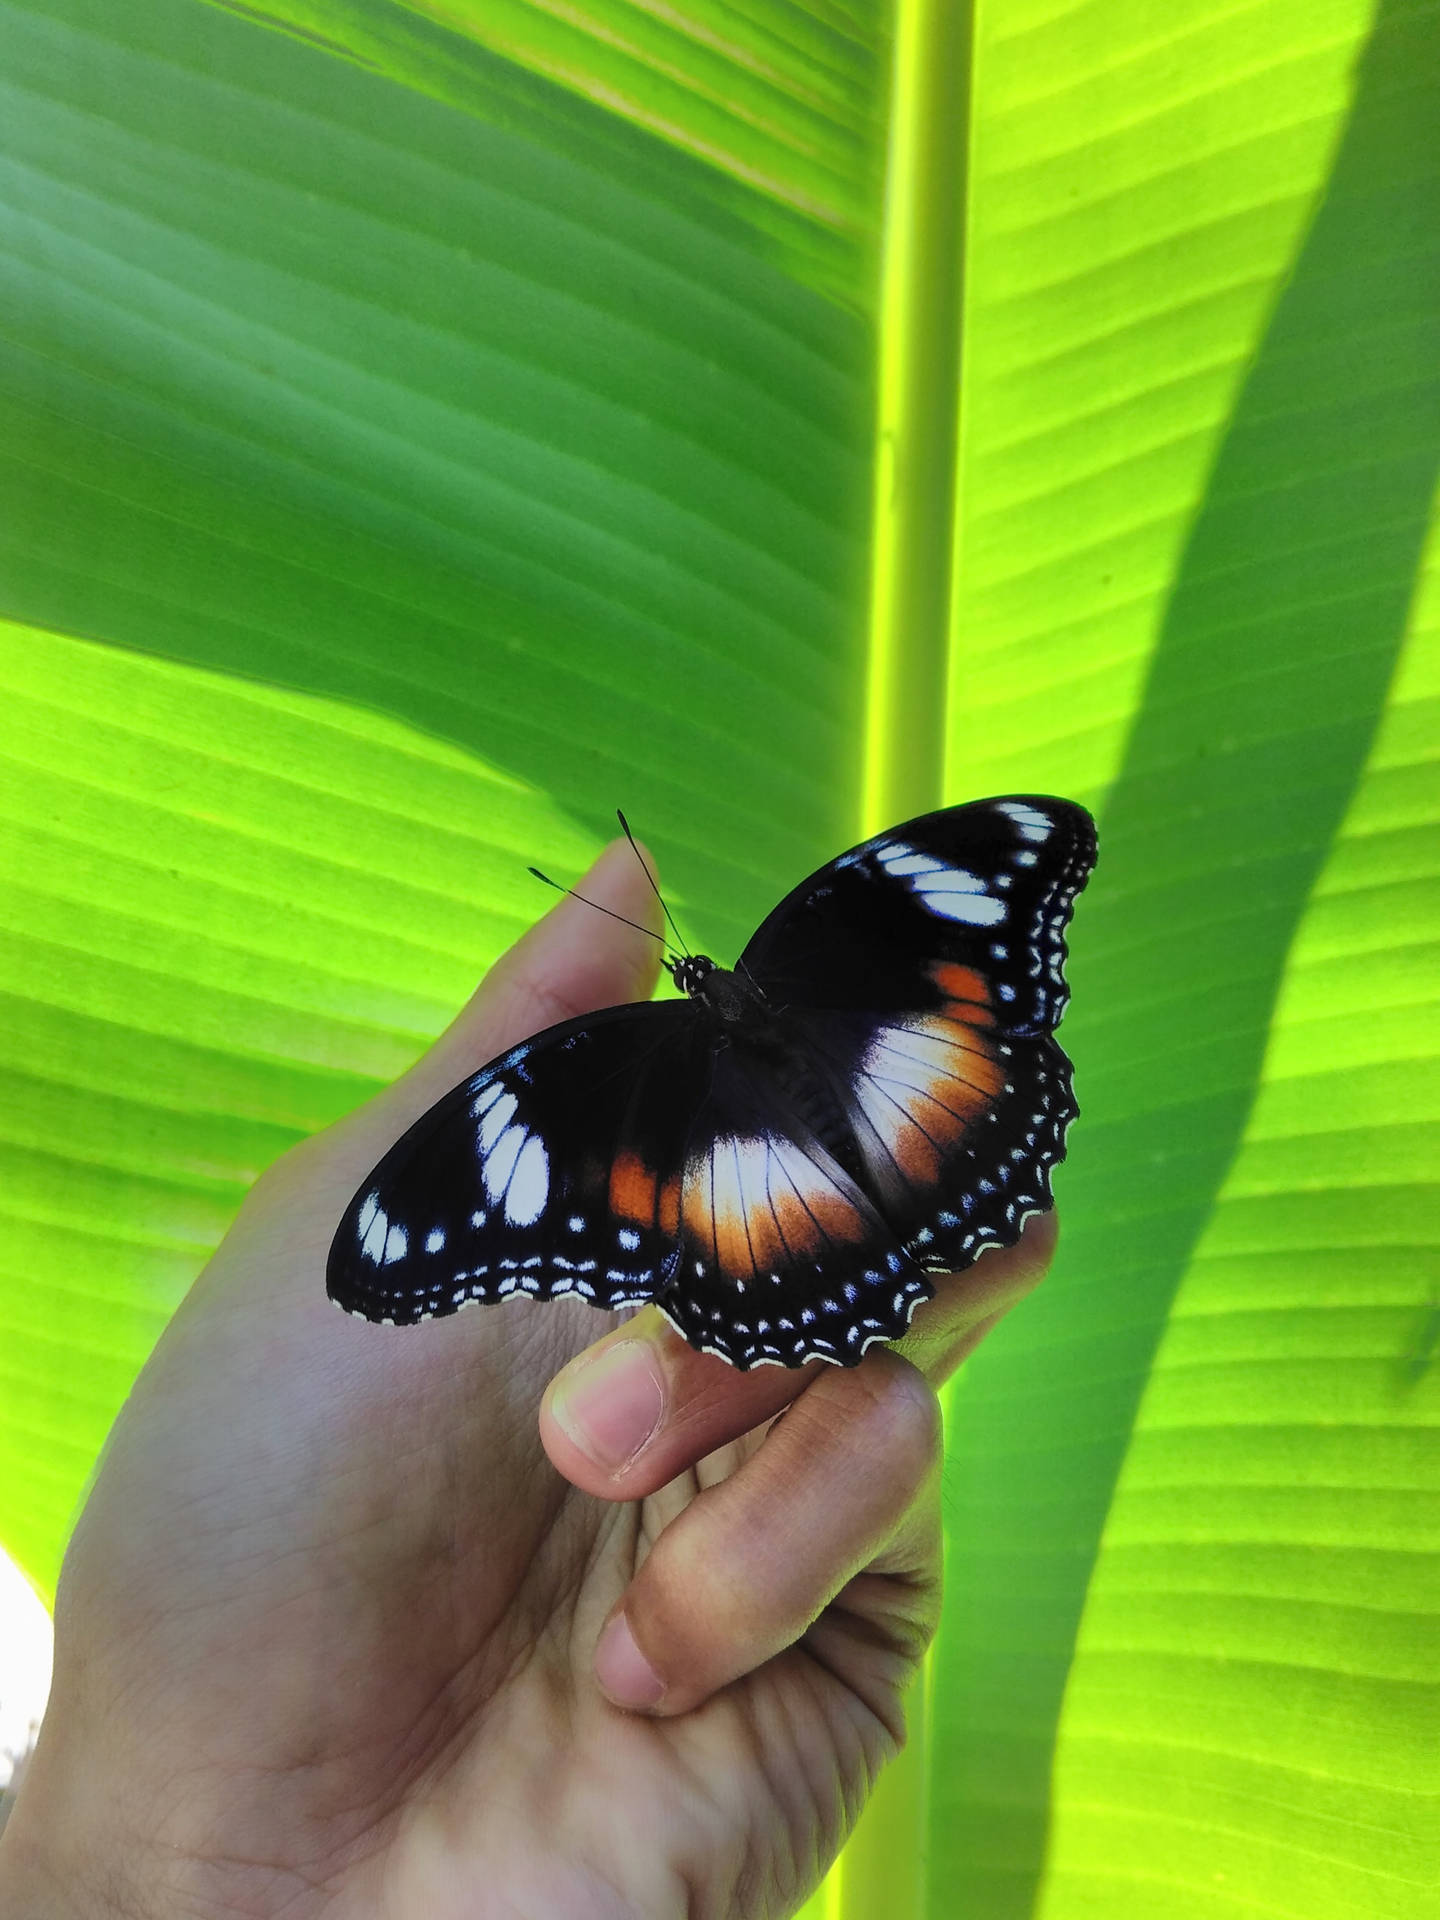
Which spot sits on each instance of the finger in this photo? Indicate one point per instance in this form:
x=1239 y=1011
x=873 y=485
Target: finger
x=753 y=1561
x=965 y=1309
x=571 y=962
x=641 y=1405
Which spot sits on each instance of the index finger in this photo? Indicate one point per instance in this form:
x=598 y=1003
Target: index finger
x=641 y=1405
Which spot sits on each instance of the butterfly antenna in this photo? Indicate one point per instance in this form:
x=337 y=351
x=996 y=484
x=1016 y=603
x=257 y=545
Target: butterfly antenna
x=598 y=908
x=625 y=828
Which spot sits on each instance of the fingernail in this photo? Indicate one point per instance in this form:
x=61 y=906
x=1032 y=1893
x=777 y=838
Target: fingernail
x=611 y=1406
x=624 y=1673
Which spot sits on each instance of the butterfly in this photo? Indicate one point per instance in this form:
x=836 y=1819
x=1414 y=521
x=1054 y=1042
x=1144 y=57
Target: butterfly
x=781 y=1159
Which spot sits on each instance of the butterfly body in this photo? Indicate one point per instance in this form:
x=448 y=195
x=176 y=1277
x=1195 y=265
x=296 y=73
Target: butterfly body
x=782 y=1158
x=730 y=997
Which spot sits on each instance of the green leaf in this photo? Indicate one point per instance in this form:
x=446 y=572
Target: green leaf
x=422 y=429
x=1203 y=422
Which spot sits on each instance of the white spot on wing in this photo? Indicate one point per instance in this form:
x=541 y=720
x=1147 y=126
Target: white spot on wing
x=529 y=1186
x=499 y=1163
x=396 y=1242
x=494 y=1120
x=372 y=1243
x=435 y=1240
x=905 y=863
x=1033 y=824
x=950 y=893
x=973 y=909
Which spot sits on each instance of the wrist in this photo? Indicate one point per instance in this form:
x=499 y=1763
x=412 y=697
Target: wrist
x=60 y=1856
x=38 y=1882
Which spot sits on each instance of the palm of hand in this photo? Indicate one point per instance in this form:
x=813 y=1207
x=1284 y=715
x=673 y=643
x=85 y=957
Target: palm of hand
x=328 y=1622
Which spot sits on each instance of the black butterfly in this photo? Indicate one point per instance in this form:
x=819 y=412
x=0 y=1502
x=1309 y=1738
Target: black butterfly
x=780 y=1159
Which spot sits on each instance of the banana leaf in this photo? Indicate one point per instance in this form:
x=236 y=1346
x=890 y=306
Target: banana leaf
x=424 y=428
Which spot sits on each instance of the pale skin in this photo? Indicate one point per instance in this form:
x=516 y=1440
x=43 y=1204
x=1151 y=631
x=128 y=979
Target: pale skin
x=521 y=1614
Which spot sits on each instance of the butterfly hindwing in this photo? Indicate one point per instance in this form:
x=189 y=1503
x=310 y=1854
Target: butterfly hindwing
x=782 y=1257
x=957 y=1145
x=553 y=1170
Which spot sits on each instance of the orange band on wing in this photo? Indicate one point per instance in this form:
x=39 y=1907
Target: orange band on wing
x=632 y=1190
x=949 y=1059
x=961 y=983
x=669 y=1221
x=732 y=1244
x=959 y=1030
x=761 y=1204
x=924 y=1086
x=807 y=1220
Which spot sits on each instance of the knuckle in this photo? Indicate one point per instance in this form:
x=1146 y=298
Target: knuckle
x=679 y=1626
x=695 y=1589
x=905 y=1420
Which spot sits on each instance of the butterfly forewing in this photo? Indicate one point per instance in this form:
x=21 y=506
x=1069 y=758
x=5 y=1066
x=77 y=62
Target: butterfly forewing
x=553 y=1170
x=986 y=889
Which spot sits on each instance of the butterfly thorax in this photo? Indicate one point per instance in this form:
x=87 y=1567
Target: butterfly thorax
x=729 y=996
x=749 y=1021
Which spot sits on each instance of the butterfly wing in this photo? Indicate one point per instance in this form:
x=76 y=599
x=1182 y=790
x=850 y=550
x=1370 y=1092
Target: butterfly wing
x=778 y=1206
x=921 y=976
x=782 y=1258
x=555 y=1169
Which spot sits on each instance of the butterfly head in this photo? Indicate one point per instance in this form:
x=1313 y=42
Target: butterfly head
x=691 y=973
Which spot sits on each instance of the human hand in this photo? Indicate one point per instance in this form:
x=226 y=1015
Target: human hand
x=326 y=1637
